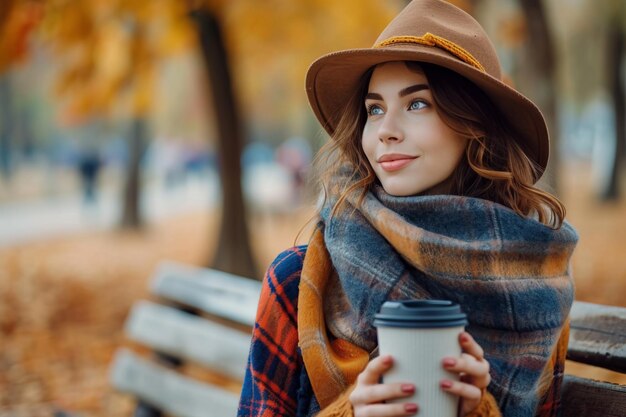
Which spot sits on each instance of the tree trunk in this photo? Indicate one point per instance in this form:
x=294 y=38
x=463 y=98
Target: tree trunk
x=6 y=126
x=615 y=66
x=233 y=249
x=131 y=214
x=540 y=80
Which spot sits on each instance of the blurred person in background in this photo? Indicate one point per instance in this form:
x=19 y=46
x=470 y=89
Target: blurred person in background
x=89 y=164
x=295 y=155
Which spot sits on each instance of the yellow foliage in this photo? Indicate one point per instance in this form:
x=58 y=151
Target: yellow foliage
x=110 y=49
x=112 y=63
x=17 y=21
x=67 y=23
x=273 y=43
x=176 y=33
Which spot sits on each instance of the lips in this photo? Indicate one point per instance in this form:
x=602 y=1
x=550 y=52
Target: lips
x=394 y=162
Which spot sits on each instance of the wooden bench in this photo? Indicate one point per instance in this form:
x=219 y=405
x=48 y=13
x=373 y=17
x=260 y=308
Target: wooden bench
x=598 y=338
x=204 y=317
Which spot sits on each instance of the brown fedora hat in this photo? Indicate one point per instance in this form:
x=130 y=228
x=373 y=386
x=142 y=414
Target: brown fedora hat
x=435 y=32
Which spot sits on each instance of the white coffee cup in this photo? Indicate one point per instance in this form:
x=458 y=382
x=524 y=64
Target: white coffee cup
x=418 y=334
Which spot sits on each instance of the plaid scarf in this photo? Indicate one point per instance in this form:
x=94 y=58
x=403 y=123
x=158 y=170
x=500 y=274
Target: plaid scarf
x=510 y=274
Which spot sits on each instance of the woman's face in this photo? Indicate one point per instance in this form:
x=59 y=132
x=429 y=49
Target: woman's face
x=411 y=150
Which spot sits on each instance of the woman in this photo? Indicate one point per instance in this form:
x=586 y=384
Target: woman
x=429 y=185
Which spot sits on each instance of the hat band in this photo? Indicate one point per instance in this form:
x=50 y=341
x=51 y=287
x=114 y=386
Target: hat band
x=433 y=40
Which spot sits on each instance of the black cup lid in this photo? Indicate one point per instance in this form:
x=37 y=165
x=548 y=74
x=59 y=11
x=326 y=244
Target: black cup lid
x=420 y=314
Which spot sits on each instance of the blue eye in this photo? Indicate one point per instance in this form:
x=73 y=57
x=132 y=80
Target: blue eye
x=374 y=110
x=417 y=105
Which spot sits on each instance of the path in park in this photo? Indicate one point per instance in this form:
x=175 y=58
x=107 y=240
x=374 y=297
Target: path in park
x=26 y=221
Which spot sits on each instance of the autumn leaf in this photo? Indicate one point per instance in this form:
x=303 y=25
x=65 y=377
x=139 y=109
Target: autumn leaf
x=18 y=19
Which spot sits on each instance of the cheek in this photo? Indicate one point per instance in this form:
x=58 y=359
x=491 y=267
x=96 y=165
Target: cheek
x=443 y=158
x=368 y=145
x=456 y=151
x=448 y=144
x=460 y=145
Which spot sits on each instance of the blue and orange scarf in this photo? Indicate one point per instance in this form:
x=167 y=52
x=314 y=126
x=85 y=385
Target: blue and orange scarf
x=510 y=274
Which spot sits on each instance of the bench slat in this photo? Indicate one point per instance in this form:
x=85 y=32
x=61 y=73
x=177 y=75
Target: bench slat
x=169 y=391
x=598 y=336
x=585 y=397
x=209 y=290
x=189 y=337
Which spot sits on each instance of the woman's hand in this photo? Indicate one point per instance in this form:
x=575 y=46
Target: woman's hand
x=473 y=369
x=369 y=394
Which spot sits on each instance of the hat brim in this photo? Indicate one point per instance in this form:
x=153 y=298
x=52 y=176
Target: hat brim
x=332 y=79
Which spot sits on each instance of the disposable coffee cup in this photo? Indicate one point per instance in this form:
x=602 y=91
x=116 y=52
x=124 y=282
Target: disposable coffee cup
x=418 y=334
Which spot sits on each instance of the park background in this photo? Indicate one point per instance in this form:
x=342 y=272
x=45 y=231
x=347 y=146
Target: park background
x=121 y=122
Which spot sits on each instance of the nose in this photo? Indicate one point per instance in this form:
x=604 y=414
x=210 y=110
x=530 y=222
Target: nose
x=390 y=129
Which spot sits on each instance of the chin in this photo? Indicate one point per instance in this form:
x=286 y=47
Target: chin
x=407 y=189
x=401 y=191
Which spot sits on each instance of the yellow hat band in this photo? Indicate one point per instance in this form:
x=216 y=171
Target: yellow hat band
x=433 y=40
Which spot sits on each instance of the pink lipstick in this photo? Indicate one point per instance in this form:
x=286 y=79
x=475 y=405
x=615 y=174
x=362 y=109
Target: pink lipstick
x=395 y=162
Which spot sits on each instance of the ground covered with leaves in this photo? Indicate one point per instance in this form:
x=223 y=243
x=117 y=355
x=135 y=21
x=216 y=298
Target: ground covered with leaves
x=63 y=302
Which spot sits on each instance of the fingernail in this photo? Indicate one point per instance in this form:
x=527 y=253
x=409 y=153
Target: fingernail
x=408 y=388
x=465 y=338
x=410 y=407
x=447 y=362
x=446 y=384
x=387 y=360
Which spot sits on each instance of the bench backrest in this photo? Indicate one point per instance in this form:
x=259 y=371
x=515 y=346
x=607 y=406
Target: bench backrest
x=183 y=334
x=597 y=337
x=205 y=317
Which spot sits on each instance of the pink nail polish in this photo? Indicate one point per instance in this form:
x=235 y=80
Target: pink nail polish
x=464 y=338
x=410 y=407
x=447 y=362
x=408 y=388
x=446 y=384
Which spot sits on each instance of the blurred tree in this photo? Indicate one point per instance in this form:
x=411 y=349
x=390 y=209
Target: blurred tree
x=523 y=36
x=233 y=250
x=142 y=76
x=539 y=78
x=593 y=39
x=18 y=18
x=615 y=80
x=6 y=125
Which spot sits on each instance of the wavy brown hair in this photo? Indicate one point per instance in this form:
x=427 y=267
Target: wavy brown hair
x=495 y=166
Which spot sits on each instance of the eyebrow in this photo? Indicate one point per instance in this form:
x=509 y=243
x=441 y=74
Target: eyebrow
x=404 y=92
